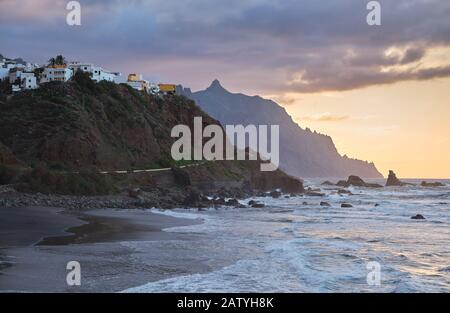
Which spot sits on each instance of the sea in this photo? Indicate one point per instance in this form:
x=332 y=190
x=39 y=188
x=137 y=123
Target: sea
x=296 y=245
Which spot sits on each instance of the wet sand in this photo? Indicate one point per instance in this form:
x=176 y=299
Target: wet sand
x=36 y=243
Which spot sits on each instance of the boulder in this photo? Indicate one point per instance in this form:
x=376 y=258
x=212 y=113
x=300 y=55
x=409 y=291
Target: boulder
x=219 y=201
x=135 y=193
x=258 y=205
x=323 y=203
x=192 y=199
x=357 y=182
x=418 y=217
x=275 y=194
x=327 y=183
x=233 y=202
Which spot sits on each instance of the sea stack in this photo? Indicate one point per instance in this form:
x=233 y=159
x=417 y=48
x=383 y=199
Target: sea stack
x=393 y=180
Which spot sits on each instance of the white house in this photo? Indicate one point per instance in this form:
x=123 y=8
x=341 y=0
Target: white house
x=56 y=73
x=28 y=81
x=4 y=73
x=97 y=73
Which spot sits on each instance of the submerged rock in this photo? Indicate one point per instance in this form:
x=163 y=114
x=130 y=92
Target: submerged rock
x=418 y=217
x=323 y=203
x=327 y=183
x=346 y=205
x=435 y=184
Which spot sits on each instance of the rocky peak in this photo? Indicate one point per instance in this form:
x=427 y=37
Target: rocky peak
x=216 y=86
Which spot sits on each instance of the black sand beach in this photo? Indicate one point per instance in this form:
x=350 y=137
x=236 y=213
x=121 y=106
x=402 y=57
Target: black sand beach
x=36 y=243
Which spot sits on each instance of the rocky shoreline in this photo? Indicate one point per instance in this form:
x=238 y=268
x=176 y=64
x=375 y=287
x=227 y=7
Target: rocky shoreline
x=138 y=198
x=170 y=198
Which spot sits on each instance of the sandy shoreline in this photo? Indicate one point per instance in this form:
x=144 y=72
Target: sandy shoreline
x=36 y=243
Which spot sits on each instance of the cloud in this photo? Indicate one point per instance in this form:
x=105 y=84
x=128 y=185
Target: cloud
x=283 y=99
x=273 y=46
x=324 y=117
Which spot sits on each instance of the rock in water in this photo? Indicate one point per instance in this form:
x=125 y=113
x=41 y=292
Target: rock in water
x=323 y=203
x=418 y=217
x=357 y=182
x=436 y=184
x=258 y=205
x=393 y=180
x=346 y=205
x=275 y=194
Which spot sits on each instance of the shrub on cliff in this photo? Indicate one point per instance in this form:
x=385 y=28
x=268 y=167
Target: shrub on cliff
x=43 y=180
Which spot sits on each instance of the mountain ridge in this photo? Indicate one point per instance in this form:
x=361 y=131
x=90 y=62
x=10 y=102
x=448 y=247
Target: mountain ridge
x=303 y=153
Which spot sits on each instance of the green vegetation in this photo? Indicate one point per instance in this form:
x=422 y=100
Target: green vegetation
x=58 y=60
x=44 y=180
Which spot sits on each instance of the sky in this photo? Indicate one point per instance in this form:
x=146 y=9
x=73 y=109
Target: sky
x=381 y=92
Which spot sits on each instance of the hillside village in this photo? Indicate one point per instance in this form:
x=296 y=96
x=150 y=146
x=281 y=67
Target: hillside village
x=21 y=75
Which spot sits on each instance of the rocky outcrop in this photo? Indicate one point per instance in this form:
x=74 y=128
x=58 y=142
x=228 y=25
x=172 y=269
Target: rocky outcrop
x=356 y=182
x=392 y=180
x=435 y=184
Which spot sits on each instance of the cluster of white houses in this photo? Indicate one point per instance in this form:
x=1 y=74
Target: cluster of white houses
x=30 y=76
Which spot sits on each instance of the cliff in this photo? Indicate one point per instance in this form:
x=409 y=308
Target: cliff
x=81 y=127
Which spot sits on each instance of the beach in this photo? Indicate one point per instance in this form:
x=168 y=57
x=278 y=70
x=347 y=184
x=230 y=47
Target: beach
x=36 y=243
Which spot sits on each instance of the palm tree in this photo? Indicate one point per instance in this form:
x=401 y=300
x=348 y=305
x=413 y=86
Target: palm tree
x=52 y=61
x=58 y=60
